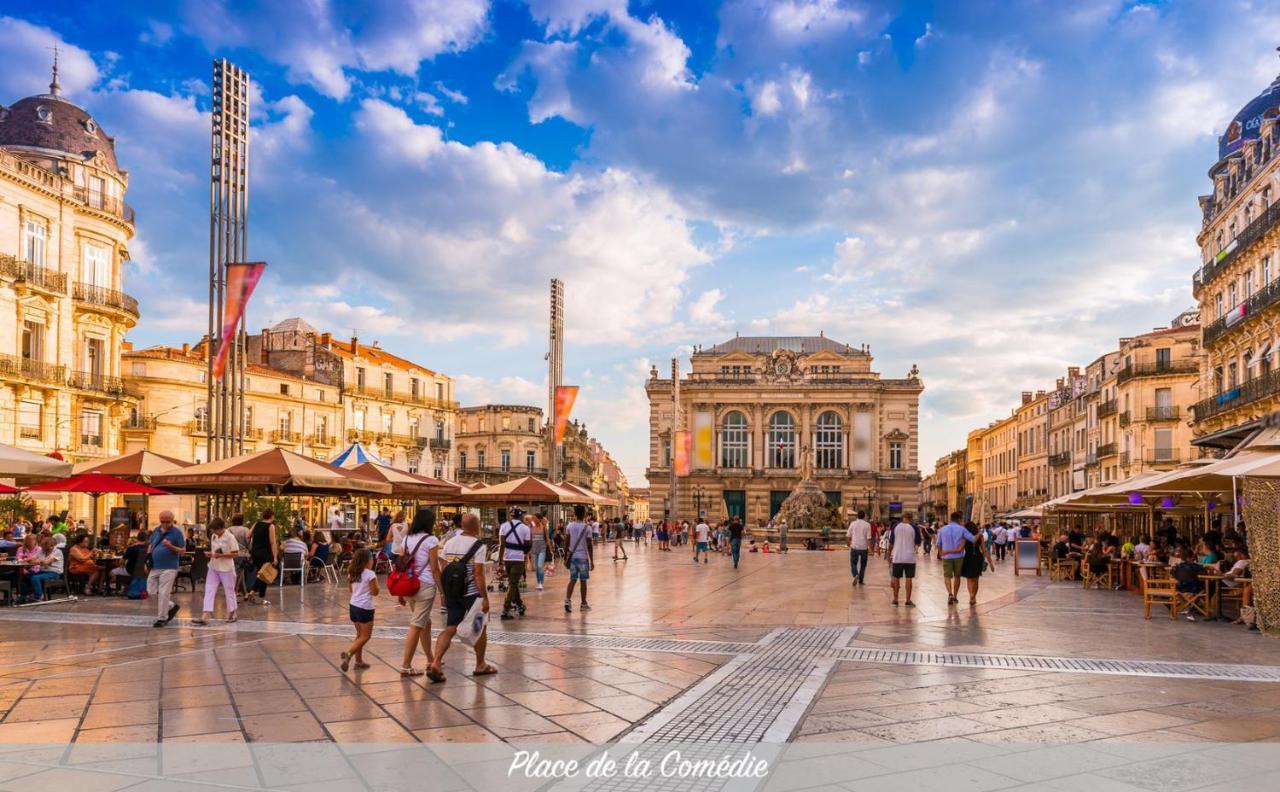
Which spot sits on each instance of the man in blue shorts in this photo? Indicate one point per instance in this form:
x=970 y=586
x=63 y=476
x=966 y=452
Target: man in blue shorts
x=581 y=557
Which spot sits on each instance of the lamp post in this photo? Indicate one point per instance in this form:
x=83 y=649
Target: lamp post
x=697 y=501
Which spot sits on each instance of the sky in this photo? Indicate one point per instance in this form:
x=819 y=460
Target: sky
x=991 y=190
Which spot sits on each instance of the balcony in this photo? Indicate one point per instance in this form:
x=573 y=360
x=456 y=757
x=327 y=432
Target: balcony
x=439 y=443
x=33 y=276
x=97 y=383
x=1059 y=459
x=1257 y=388
x=323 y=440
x=285 y=437
x=1158 y=368
x=386 y=394
x=1163 y=456
x=1107 y=450
x=105 y=204
x=359 y=436
x=139 y=423
x=1124 y=459
x=1123 y=419
x=34 y=371
x=103 y=297
x=198 y=428
x=1107 y=408
x=1250 y=235
x=1241 y=314
x=391 y=438
x=1167 y=413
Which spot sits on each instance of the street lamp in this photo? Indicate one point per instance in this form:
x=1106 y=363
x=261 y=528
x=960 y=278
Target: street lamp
x=697 y=501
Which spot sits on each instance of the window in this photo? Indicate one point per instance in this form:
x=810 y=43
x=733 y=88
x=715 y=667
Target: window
x=415 y=387
x=386 y=385
x=734 y=445
x=32 y=341
x=1248 y=284
x=95 y=191
x=895 y=456
x=1164 y=357
x=34 y=242
x=29 y=419
x=413 y=465
x=1164 y=445
x=1233 y=294
x=284 y=389
x=439 y=471
x=828 y=442
x=95 y=266
x=782 y=440
x=480 y=458
x=322 y=427
x=440 y=430
x=1233 y=376
x=506 y=422
x=285 y=422
x=1266 y=270
x=530 y=460
x=357 y=419
x=532 y=425
x=93 y=356
x=359 y=378
x=505 y=459
x=462 y=459
x=413 y=428
x=439 y=391
x=387 y=419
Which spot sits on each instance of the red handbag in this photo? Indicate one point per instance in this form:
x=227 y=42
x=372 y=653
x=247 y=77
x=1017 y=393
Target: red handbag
x=402 y=580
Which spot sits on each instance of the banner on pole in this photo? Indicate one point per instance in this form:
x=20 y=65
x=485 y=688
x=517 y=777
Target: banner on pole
x=703 y=440
x=566 y=395
x=683 y=450
x=242 y=279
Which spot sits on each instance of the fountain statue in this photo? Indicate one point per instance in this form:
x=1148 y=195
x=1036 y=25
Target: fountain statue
x=807 y=510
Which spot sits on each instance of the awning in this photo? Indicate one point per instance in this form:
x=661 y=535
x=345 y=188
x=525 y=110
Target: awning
x=272 y=470
x=29 y=466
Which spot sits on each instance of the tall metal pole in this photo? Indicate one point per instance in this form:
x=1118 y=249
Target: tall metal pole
x=675 y=427
x=555 y=374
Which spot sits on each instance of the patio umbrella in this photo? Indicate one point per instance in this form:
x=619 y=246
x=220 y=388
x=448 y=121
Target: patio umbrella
x=29 y=466
x=96 y=485
x=5 y=489
x=353 y=455
x=406 y=484
x=523 y=490
x=274 y=470
x=138 y=467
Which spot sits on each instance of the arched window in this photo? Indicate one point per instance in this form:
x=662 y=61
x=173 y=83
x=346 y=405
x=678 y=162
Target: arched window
x=828 y=442
x=734 y=445
x=782 y=440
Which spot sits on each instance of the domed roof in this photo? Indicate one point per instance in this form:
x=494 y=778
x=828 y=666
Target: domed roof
x=1248 y=122
x=51 y=124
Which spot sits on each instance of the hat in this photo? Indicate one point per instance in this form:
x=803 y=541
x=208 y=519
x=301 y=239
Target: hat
x=517 y=513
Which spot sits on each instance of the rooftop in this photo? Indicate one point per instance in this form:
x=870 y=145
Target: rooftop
x=764 y=345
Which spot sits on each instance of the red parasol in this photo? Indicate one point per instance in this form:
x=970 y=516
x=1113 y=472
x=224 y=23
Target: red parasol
x=5 y=489
x=96 y=485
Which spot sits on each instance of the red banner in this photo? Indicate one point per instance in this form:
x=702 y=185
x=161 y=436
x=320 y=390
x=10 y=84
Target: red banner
x=242 y=279
x=683 y=450
x=566 y=395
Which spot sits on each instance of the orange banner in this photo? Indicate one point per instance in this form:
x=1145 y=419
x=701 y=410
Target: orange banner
x=566 y=395
x=242 y=279
x=683 y=450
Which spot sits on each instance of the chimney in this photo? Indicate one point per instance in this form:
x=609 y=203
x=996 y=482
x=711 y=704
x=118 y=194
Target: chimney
x=326 y=339
x=1058 y=385
x=355 y=345
x=186 y=350
x=1073 y=372
x=126 y=346
x=1039 y=393
x=1026 y=397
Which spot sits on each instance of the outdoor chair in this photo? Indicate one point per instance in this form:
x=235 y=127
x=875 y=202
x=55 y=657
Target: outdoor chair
x=6 y=590
x=1232 y=594
x=1197 y=601
x=56 y=584
x=330 y=569
x=184 y=571
x=1062 y=569
x=381 y=564
x=1100 y=580
x=1160 y=592
x=293 y=562
x=344 y=561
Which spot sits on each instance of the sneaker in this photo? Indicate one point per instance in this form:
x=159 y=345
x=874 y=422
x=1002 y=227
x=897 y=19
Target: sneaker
x=173 y=611
x=507 y=616
x=346 y=661
x=539 y=587
x=584 y=606
x=520 y=610
x=568 y=606
x=159 y=623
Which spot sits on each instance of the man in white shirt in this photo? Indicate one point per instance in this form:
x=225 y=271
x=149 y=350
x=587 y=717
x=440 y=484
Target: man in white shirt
x=702 y=535
x=859 y=545
x=515 y=539
x=902 y=543
x=459 y=548
x=1000 y=537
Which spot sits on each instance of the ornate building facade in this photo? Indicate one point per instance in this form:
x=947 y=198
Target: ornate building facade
x=763 y=403
x=64 y=234
x=499 y=442
x=1237 y=286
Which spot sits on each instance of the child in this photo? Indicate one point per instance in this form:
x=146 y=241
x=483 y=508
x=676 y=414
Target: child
x=364 y=587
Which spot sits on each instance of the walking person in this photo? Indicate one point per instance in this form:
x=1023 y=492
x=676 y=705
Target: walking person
x=1000 y=538
x=223 y=553
x=735 y=539
x=364 y=587
x=461 y=575
x=581 y=557
x=264 y=548
x=951 y=539
x=859 y=548
x=903 y=539
x=516 y=540
x=422 y=546
x=930 y=531
x=976 y=558
x=399 y=530
x=782 y=536
x=702 y=537
x=167 y=545
x=541 y=544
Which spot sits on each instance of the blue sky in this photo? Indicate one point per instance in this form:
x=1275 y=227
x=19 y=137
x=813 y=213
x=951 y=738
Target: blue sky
x=991 y=190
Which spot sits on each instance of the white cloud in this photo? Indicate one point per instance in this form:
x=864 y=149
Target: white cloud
x=27 y=51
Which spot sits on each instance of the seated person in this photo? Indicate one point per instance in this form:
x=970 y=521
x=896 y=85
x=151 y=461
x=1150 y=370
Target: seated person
x=82 y=563
x=1061 y=550
x=7 y=543
x=1239 y=570
x=296 y=543
x=1208 y=556
x=1142 y=549
x=49 y=563
x=1097 y=559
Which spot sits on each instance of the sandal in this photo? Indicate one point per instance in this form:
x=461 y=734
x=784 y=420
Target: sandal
x=434 y=676
x=346 y=661
x=486 y=671
x=200 y=622
x=408 y=672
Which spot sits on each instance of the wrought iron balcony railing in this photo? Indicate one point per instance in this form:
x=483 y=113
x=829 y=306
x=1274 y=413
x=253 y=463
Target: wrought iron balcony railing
x=101 y=295
x=105 y=203
x=98 y=383
x=1257 y=388
x=1167 y=413
x=1107 y=450
x=1107 y=408
x=1158 y=368
x=1246 y=239
x=14 y=367
x=33 y=275
x=1060 y=458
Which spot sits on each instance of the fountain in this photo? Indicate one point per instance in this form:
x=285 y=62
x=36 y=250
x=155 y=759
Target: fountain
x=806 y=510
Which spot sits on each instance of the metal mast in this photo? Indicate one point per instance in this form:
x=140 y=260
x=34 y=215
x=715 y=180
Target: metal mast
x=555 y=374
x=675 y=427
x=228 y=242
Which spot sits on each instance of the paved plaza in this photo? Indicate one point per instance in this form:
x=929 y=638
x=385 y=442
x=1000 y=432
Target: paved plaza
x=783 y=649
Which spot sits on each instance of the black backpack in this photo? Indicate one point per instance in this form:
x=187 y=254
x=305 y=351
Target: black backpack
x=453 y=578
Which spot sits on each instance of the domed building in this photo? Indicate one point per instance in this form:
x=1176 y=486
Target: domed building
x=1236 y=285
x=64 y=235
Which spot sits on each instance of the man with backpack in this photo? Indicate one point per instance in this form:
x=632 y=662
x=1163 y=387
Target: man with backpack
x=462 y=583
x=581 y=557
x=516 y=539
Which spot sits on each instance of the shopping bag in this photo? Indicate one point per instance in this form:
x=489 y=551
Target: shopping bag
x=267 y=573
x=473 y=624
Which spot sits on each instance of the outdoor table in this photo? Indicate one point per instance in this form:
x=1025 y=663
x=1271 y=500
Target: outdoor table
x=1213 y=585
